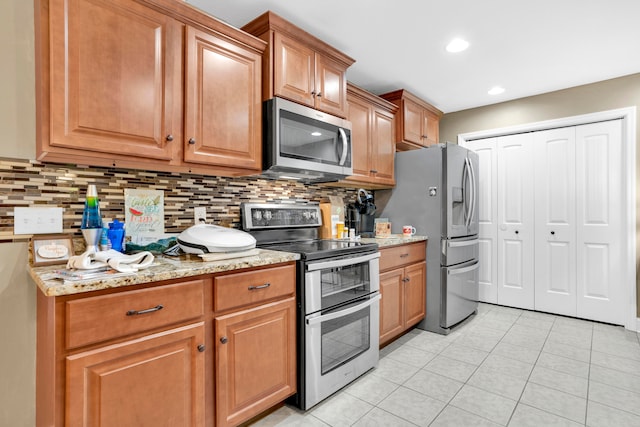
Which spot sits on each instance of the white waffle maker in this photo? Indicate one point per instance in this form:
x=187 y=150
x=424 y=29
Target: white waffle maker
x=206 y=238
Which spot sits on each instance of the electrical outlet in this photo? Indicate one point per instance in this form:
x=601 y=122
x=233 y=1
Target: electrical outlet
x=200 y=215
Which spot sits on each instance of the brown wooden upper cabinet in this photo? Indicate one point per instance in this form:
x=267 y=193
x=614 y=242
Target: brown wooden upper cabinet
x=111 y=89
x=373 y=139
x=300 y=67
x=417 y=121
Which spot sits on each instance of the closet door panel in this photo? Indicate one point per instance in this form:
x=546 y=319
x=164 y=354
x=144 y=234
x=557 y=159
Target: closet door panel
x=515 y=221
x=599 y=216
x=555 y=259
x=487 y=218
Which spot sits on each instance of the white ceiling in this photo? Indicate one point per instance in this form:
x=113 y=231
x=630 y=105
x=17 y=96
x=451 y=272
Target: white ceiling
x=527 y=47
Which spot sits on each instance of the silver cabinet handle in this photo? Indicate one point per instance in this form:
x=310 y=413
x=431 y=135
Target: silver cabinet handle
x=253 y=288
x=224 y=340
x=148 y=310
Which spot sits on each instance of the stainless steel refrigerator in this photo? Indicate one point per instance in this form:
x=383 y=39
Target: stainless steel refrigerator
x=437 y=192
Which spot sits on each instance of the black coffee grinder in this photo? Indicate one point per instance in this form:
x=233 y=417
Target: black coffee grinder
x=360 y=215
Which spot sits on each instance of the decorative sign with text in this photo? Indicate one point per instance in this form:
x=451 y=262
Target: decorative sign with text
x=144 y=215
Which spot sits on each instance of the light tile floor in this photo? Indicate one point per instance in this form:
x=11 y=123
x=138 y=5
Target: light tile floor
x=501 y=367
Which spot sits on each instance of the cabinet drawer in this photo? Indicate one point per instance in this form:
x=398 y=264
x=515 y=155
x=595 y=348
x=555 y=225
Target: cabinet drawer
x=95 y=319
x=235 y=290
x=402 y=255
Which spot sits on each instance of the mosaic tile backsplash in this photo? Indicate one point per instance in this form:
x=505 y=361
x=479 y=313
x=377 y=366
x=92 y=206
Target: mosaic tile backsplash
x=25 y=183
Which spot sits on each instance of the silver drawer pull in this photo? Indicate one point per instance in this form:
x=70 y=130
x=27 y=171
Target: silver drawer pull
x=253 y=288
x=404 y=255
x=148 y=310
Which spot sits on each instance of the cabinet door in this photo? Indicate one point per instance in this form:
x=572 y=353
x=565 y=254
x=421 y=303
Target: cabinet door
x=115 y=78
x=151 y=381
x=415 y=300
x=294 y=70
x=360 y=118
x=515 y=221
x=391 y=304
x=383 y=148
x=331 y=86
x=555 y=228
x=255 y=360
x=223 y=110
x=413 y=122
x=430 y=128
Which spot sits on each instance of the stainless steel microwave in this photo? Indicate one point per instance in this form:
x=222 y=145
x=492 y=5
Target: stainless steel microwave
x=305 y=144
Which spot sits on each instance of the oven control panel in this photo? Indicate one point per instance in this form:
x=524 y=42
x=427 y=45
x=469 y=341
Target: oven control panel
x=256 y=216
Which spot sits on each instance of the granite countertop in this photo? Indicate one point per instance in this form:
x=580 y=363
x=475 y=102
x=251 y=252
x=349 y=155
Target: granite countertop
x=163 y=268
x=393 y=240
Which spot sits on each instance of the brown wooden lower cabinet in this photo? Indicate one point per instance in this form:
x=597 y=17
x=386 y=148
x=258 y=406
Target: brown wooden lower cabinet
x=255 y=360
x=152 y=381
x=163 y=355
x=403 y=278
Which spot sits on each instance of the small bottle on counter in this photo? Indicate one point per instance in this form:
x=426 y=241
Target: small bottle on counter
x=116 y=234
x=105 y=245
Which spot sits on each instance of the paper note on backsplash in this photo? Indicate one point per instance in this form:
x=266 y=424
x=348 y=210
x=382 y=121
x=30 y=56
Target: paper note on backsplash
x=144 y=215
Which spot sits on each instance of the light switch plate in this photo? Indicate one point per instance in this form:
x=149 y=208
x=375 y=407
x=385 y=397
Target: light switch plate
x=37 y=220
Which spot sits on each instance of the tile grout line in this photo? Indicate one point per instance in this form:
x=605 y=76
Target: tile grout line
x=474 y=371
x=529 y=376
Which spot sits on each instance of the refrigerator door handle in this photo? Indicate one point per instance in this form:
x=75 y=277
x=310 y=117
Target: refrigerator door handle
x=463 y=243
x=466 y=176
x=473 y=192
x=463 y=270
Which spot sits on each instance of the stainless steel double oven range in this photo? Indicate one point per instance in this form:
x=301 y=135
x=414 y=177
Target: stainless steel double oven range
x=338 y=294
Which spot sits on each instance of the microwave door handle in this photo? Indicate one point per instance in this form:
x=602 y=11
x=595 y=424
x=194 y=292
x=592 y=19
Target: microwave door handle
x=342 y=313
x=345 y=146
x=341 y=262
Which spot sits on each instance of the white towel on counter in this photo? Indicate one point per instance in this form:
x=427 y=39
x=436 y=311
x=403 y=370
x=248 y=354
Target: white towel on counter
x=118 y=261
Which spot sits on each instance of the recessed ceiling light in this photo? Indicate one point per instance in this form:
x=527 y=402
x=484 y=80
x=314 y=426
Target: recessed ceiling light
x=457 y=45
x=496 y=90
x=316 y=133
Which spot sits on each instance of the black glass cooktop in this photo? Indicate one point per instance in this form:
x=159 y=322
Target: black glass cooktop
x=319 y=249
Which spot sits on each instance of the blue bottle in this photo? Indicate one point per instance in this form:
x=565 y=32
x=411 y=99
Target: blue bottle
x=116 y=234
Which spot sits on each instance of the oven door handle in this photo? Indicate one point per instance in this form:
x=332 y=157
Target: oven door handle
x=342 y=313
x=314 y=266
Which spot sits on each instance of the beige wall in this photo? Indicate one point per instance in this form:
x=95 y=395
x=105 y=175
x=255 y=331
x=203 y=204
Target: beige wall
x=602 y=96
x=17 y=291
x=17 y=84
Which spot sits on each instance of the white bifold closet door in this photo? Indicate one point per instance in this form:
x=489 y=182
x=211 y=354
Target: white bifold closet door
x=487 y=219
x=551 y=220
x=555 y=221
x=515 y=221
x=599 y=221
